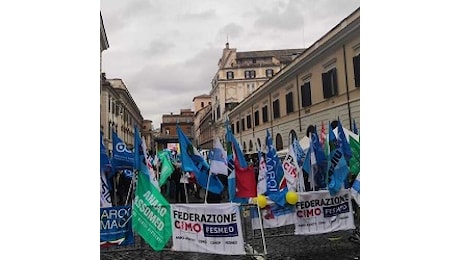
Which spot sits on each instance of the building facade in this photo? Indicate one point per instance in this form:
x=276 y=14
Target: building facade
x=319 y=86
x=239 y=74
x=202 y=121
x=168 y=137
x=119 y=113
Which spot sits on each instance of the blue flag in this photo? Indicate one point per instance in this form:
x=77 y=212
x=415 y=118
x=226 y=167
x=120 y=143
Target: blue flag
x=275 y=174
x=299 y=152
x=321 y=161
x=355 y=128
x=344 y=144
x=122 y=158
x=338 y=168
x=192 y=161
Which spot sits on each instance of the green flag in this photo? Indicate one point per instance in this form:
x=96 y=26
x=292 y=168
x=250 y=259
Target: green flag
x=151 y=214
x=166 y=167
x=354 y=161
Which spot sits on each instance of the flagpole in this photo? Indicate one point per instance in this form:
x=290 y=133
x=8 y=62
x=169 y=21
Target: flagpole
x=186 y=193
x=262 y=230
x=207 y=187
x=131 y=187
x=114 y=179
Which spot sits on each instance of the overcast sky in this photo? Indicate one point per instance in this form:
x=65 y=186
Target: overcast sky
x=166 y=51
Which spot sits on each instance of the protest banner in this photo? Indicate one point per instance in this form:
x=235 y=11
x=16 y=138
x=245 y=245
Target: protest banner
x=207 y=228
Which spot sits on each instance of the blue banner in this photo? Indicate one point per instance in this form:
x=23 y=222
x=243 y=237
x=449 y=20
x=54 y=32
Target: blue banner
x=122 y=158
x=116 y=226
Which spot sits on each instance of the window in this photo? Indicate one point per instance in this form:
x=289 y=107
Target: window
x=110 y=102
x=250 y=87
x=250 y=145
x=292 y=137
x=202 y=104
x=167 y=131
x=269 y=73
x=243 y=126
x=258 y=142
x=279 y=142
x=229 y=74
x=310 y=129
x=248 y=121
x=254 y=61
x=356 y=70
x=238 y=126
x=233 y=128
x=276 y=108
x=305 y=89
x=330 y=83
x=264 y=114
x=244 y=147
x=289 y=103
x=256 y=118
x=249 y=74
x=218 y=112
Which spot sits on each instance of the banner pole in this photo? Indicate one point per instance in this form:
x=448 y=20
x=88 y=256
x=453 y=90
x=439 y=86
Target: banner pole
x=186 y=192
x=114 y=180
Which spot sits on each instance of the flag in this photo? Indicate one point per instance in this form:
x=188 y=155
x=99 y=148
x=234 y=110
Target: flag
x=338 y=168
x=343 y=142
x=274 y=174
x=106 y=200
x=233 y=152
x=299 y=152
x=354 y=161
x=122 y=158
x=192 y=161
x=262 y=177
x=322 y=137
x=166 y=167
x=292 y=172
x=141 y=159
x=315 y=163
x=245 y=181
x=218 y=164
x=355 y=189
x=355 y=128
x=151 y=217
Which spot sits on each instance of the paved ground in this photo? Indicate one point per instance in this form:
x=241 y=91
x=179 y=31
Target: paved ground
x=281 y=244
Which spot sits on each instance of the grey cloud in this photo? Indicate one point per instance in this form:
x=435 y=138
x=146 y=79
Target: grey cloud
x=199 y=16
x=232 y=30
x=285 y=17
x=158 y=47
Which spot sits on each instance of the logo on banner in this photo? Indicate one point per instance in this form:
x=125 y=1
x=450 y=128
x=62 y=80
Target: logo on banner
x=121 y=147
x=116 y=228
x=217 y=225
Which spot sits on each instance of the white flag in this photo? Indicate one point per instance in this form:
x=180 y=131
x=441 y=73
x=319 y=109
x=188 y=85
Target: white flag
x=262 y=177
x=152 y=172
x=218 y=164
x=292 y=172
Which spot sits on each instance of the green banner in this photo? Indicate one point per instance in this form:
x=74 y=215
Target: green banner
x=151 y=214
x=166 y=167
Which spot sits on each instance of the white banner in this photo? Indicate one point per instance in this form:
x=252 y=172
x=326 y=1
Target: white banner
x=207 y=228
x=273 y=216
x=318 y=212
